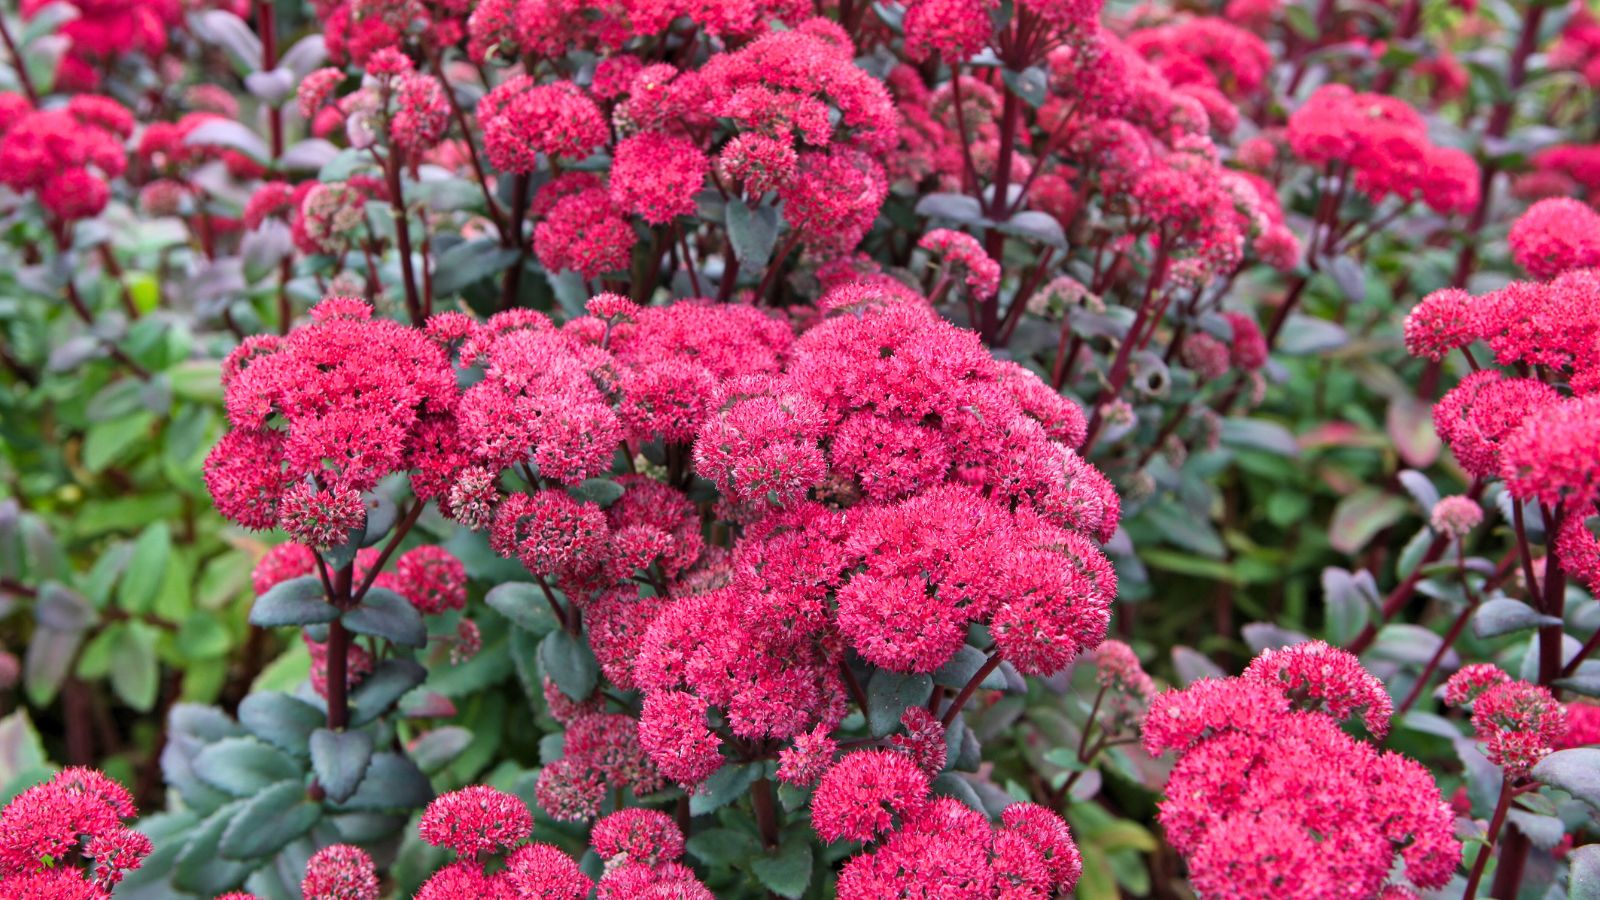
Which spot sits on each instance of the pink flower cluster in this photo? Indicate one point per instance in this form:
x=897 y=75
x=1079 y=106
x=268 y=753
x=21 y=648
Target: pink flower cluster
x=76 y=816
x=1383 y=143
x=1137 y=133
x=483 y=825
x=930 y=847
x=1556 y=236
x=963 y=254
x=407 y=107
x=1519 y=723
x=64 y=155
x=919 y=554
x=1542 y=442
x=340 y=872
x=1270 y=797
x=893 y=481
x=539 y=29
x=322 y=415
x=601 y=751
x=101 y=31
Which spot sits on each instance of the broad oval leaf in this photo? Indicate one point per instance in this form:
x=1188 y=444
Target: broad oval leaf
x=197 y=868
x=390 y=681
x=385 y=614
x=281 y=720
x=392 y=782
x=525 y=605
x=788 y=871
x=1191 y=665
x=725 y=785
x=1576 y=771
x=1360 y=516
x=269 y=821
x=1259 y=434
x=244 y=766
x=959 y=669
x=298 y=601
x=340 y=760
x=232 y=135
x=1504 y=615
x=570 y=664
x=953 y=207
x=752 y=232
x=1583 y=879
x=888 y=696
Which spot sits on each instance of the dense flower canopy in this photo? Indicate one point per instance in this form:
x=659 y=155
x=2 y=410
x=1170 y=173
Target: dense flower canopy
x=671 y=449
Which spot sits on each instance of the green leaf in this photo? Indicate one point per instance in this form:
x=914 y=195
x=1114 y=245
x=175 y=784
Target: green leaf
x=298 y=601
x=949 y=784
x=888 y=695
x=115 y=400
x=1191 y=665
x=1259 y=434
x=382 y=514
x=1409 y=644
x=1185 y=530
x=792 y=798
x=1585 y=681
x=1504 y=615
x=47 y=20
x=392 y=782
x=21 y=750
x=340 y=760
x=280 y=720
x=341 y=167
x=197 y=868
x=445 y=194
x=1304 y=335
x=788 y=872
x=1583 y=880
x=1299 y=21
x=753 y=233
x=145 y=569
x=244 y=766
x=1033 y=225
x=1409 y=422
x=602 y=492
x=109 y=442
x=198 y=380
x=957 y=208
x=439 y=747
x=49 y=659
x=525 y=605
x=234 y=36
x=570 y=663
x=269 y=821
x=135 y=672
x=469 y=262
x=1576 y=771
x=1350 y=599
x=959 y=669
x=1420 y=488
x=1031 y=84
x=390 y=681
x=722 y=847
x=725 y=785
x=1360 y=516
x=203 y=636
x=1349 y=276
x=385 y=614
x=229 y=134
x=94 y=662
